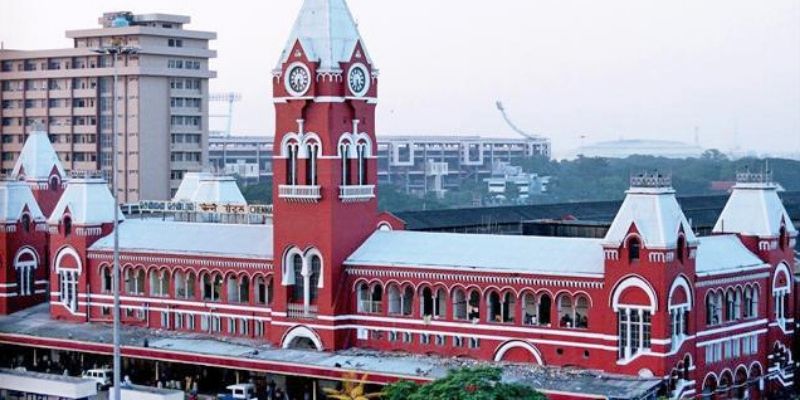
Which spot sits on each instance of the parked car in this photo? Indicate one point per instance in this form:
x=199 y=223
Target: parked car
x=241 y=391
x=101 y=375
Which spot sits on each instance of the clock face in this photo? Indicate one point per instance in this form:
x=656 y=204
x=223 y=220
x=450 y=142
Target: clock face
x=298 y=80
x=358 y=80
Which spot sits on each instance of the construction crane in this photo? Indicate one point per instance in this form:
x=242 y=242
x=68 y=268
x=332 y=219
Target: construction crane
x=511 y=124
x=230 y=98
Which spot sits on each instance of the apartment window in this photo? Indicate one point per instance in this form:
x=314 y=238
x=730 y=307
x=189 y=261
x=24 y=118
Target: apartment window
x=175 y=43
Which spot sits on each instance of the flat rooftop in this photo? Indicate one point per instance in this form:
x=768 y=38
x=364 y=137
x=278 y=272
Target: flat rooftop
x=34 y=327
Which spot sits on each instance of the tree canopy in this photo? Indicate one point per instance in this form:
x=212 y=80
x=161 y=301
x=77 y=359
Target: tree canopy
x=481 y=383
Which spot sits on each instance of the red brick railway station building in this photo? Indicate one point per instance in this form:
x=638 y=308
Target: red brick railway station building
x=701 y=317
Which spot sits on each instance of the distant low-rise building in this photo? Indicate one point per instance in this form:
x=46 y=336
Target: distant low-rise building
x=414 y=163
x=638 y=147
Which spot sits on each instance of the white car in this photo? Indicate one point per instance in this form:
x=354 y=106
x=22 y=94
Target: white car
x=101 y=376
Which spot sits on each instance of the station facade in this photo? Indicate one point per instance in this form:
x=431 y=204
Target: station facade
x=711 y=316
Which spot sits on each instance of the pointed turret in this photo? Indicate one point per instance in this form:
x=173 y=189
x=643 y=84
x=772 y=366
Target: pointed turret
x=327 y=33
x=86 y=201
x=652 y=212
x=755 y=212
x=39 y=166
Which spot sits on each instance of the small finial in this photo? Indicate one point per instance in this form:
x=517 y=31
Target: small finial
x=38 y=126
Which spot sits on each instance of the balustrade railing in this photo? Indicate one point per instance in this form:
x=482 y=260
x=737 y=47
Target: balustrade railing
x=300 y=193
x=356 y=193
x=301 y=311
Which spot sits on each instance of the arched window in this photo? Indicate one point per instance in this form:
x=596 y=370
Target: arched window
x=212 y=286
x=376 y=299
x=681 y=249
x=783 y=237
x=311 y=164
x=25 y=263
x=140 y=279
x=26 y=222
x=298 y=290
x=529 y=309
x=179 y=279
x=54 y=183
x=582 y=312
x=440 y=304
x=474 y=305
x=244 y=289
x=407 y=301
x=494 y=307
x=565 y=312
x=313 y=278
x=500 y=307
x=260 y=286
x=232 y=286
x=395 y=300
x=269 y=290
x=362 y=294
x=459 y=302
x=105 y=278
x=67 y=226
x=362 y=153
x=291 y=164
x=634 y=248
x=191 y=281
x=344 y=152
x=545 y=304
x=748 y=302
x=427 y=304
x=159 y=283
x=713 y=308
x=730 y=305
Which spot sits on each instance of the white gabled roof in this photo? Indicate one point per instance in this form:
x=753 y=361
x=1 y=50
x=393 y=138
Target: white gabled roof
x=14 y=197
x=169 y=237
x=723 y=254
x=328 y=33
x=203 y=187
x=188 y=186
x=657 y=215
x=219 y=190
x=520 y=254
x=754 y=209
x=89 y=201
x=37 y=158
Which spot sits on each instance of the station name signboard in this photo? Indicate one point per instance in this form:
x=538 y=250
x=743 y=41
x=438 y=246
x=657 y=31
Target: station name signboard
x=149 y=206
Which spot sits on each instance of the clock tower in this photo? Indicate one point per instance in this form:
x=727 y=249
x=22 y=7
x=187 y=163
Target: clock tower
x=324 y=173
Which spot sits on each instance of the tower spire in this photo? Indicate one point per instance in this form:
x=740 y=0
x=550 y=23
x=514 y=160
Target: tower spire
x=327 y=32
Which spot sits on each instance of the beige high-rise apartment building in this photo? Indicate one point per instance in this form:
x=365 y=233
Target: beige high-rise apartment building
x=162 y=103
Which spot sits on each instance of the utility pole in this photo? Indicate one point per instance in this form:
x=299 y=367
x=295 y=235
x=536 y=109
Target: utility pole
x=115 y=50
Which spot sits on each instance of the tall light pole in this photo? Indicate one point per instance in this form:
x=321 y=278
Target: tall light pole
x=115 y=50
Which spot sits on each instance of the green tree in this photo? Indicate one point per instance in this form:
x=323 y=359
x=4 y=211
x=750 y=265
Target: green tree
x=481 y=383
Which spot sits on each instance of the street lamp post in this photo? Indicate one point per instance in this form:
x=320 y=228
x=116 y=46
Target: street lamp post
x=115 y=50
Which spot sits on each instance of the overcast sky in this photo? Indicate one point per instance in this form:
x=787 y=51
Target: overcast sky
x=604 y=69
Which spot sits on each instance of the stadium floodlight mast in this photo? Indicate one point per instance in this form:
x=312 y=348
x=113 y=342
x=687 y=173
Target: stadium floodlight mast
x=115 y=50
